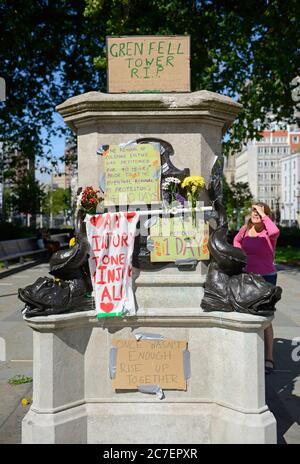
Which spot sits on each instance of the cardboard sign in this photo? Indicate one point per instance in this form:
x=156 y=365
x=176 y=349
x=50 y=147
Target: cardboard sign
x=132 y=174
x=148 y=362
x=148 y=64
x=177 y=239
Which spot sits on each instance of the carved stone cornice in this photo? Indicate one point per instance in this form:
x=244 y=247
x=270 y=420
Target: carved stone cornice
x=98 y=106
x=154 y=317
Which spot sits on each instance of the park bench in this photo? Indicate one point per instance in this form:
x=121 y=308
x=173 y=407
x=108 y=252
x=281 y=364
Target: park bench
x=26 y=247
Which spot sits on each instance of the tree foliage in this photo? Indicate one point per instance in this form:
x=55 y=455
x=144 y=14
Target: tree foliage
x=237 y=198
x=46 y=56
x=26 y=195
x=248 y=50
x=57 y=201
x=51 y=50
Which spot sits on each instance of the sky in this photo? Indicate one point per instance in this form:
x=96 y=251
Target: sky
x=58 y=147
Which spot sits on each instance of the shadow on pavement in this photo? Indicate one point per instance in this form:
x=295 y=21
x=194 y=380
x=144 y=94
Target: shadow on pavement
x=292 y=270
x=8 y=294
x=281 y=390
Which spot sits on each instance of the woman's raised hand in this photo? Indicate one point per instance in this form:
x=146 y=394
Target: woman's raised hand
x=260 y=210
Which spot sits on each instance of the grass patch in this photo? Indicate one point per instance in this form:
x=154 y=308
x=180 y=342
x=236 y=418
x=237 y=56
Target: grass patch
x=288 y=255
x=19 y=379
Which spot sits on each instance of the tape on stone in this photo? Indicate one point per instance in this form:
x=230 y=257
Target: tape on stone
x=152 y=389
x=148 y=336
x=186 y=364
x=113 y=362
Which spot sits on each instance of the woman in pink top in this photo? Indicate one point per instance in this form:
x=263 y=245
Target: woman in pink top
x=258 y=240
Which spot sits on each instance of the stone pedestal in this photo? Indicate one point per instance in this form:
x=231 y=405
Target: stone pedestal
x=73 y=398
x=74 y=402
x=193 y=123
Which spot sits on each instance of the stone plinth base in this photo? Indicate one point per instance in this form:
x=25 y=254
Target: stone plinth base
x=74 y=402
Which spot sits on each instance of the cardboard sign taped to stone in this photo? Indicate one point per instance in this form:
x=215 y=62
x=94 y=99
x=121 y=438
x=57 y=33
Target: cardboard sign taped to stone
x=148 y=64
x=149 y=362
x=175 y=238
x=132 y=174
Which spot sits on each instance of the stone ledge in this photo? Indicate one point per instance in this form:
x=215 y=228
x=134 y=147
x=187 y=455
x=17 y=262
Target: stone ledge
x=202 y=104
x=148 y=399
x=152 y=317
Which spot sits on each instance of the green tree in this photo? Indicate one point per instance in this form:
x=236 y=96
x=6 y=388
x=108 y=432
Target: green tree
x=7 y=203
x=238 y=48
x=237 y=200
x=228 y=199
x=46 y=57
x=50 y=51
x=57 y=201
x=27 y=195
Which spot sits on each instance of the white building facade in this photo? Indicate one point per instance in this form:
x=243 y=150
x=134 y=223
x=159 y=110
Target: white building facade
x=260 y=164
x=290 y=195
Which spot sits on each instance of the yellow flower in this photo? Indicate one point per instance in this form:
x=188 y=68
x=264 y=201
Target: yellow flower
x=193 y=186
x=25 y=402
x=72 y=242
x=193 y=181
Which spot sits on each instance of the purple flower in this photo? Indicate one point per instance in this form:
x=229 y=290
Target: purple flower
x=180 y=198
x=165 y=195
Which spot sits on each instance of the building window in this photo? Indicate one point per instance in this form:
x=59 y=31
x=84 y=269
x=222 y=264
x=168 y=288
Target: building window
x=295 y=139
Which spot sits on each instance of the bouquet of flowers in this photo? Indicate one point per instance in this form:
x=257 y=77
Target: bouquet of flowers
x=88 y=200
x=170 y=188
x=193 y=186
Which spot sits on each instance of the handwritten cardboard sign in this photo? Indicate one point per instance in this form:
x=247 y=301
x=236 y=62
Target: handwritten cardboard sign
x=177 y=239
x=111 y=238
x=132 y=174
x=148 y=362
x=148 y=64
